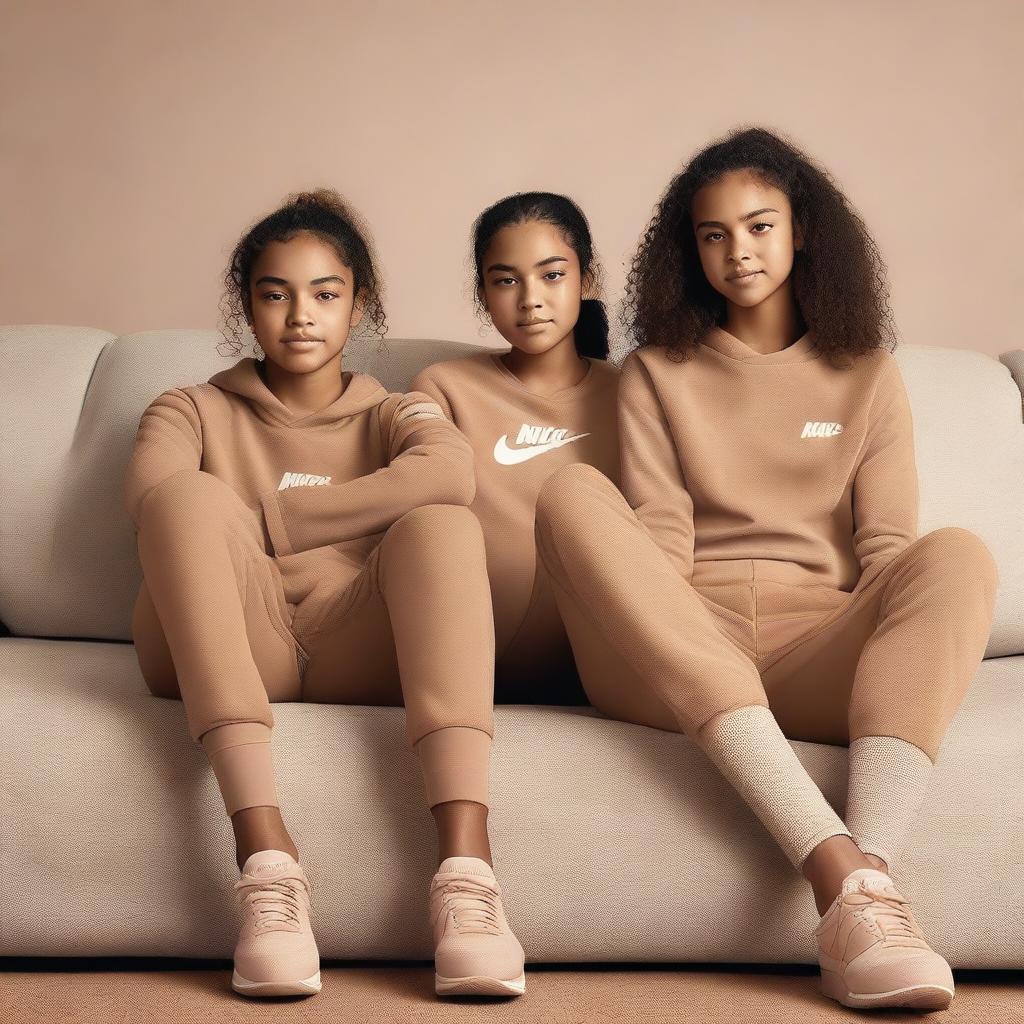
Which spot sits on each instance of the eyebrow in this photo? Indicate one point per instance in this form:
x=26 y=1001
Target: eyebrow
x=542 y=263
x=746 y=216
x=318 y=280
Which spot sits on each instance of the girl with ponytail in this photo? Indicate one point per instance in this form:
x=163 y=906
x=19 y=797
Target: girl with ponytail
x=547 y=402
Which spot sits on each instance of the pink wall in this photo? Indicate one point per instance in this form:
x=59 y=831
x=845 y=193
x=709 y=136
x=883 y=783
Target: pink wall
x=139 y=138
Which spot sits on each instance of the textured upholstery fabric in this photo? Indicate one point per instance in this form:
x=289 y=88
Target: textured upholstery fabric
x=578 y=802
x=92 y=765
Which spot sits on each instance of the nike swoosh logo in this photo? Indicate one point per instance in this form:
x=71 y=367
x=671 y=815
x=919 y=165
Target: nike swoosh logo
x=513 y=456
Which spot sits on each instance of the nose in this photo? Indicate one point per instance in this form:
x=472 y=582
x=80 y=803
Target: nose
x=737 y=253
x=298 y=315
x=528 y=296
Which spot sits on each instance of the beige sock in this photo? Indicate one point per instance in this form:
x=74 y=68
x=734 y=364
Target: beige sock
x=241 y=758
x=888 y=781
x=749 y=749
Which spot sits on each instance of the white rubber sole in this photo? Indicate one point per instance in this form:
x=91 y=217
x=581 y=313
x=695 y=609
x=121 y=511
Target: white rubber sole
x=914 y=997
x=300 y=987
x=479 y=986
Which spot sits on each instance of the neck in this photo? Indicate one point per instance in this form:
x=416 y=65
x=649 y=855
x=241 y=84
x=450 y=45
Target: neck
x=770 y=326
x=304 y=392
x=544 y=373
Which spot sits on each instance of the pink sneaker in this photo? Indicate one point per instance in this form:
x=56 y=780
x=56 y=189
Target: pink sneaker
x=276 y=954
x=475 y=952
x=873 y=953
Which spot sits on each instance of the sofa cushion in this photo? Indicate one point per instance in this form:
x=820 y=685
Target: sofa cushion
x=614 y=842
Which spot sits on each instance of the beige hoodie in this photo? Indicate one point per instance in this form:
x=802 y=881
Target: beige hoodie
x=325 y=485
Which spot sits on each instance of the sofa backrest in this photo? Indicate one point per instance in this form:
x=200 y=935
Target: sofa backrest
x=71 y=399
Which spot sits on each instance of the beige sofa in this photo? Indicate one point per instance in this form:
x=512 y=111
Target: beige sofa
x=614 y=842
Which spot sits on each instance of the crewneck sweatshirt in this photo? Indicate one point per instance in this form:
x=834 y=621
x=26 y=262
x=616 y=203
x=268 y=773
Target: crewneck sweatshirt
x=325 y=485
x=519 y=439
x=780 y=466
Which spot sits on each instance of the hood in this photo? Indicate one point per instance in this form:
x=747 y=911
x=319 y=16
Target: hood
x=362 y=392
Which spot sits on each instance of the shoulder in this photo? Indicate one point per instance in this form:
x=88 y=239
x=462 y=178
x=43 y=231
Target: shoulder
x=455 y=371
x=186 y=401
x=605 y=371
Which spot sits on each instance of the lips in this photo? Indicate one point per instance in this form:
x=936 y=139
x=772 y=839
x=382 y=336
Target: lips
x=532 y=323
x=743 y=277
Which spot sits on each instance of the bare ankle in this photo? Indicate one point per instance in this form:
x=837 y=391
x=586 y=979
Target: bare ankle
x=260 y=828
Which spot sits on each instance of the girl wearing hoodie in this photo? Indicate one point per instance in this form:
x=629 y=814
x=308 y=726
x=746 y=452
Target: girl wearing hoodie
x=305 y=536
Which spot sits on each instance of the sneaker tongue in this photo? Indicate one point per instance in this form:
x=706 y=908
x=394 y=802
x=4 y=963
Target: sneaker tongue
x=868 y=875
x=267 y=862
x=465 y=866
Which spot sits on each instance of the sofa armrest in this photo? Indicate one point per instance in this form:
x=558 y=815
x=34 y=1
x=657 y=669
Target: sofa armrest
x=1014 y=362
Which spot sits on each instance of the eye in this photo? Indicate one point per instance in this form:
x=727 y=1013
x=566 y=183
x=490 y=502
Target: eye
x=274 y=295
x=503 y=280
x=713 y=236
x=554 y=275
x=762 y=224
x=330 y=295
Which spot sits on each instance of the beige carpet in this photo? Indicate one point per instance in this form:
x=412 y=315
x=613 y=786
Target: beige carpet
x=95 y=991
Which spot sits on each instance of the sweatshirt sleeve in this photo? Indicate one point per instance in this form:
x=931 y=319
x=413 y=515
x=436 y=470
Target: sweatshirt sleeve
x=425 y=383
x=885 y=490
x=169 y=440
x=652 y=478
x=429 y=463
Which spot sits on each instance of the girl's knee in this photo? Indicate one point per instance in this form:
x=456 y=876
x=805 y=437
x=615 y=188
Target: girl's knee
x=963 y=552
x=568 y=490
x=436 y=528
x=190 y=493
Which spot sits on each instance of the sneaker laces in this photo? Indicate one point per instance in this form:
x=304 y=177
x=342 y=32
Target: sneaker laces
x=474 y=904
x=275 y=900
x=888 y=910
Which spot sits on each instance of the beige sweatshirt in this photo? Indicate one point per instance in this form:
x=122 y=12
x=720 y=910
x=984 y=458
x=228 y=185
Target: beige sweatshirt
x=519 y=439
x=326 y=485
x=805 y=470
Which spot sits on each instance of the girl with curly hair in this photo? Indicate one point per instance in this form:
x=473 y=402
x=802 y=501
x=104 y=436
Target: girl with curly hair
x=548 y=402
x=760 y=577
x=305 y=536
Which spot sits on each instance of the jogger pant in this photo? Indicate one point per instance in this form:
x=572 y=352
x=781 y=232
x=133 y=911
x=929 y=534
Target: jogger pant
x=414 y=625
x=893 y=658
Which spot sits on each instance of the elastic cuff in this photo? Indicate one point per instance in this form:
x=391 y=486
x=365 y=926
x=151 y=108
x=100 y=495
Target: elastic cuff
x=456 y=765
x=273 y=523
x=240 y=755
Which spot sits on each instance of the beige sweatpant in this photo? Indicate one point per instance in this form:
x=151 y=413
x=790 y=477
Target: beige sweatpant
x=893 y=658
x=211 y=627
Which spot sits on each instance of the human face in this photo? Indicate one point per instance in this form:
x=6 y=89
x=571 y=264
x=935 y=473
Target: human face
x=532 y=286
x=745 y=237
x=303 y=306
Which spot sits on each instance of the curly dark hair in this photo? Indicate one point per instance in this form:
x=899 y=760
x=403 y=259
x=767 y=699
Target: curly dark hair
x=839 y=278
x=322 y=213
x=591 y=332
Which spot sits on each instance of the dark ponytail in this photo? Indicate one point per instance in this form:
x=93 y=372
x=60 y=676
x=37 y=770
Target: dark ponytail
x=591 y=331
x=591 y=334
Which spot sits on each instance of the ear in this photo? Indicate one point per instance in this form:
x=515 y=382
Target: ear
x=358 y=307
x=587 y=284
x=481 y=294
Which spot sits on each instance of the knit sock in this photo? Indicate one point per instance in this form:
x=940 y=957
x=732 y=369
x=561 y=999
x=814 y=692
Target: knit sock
x=241 y=758
x=456 y=764
x=888 y=781
x=749 y=749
